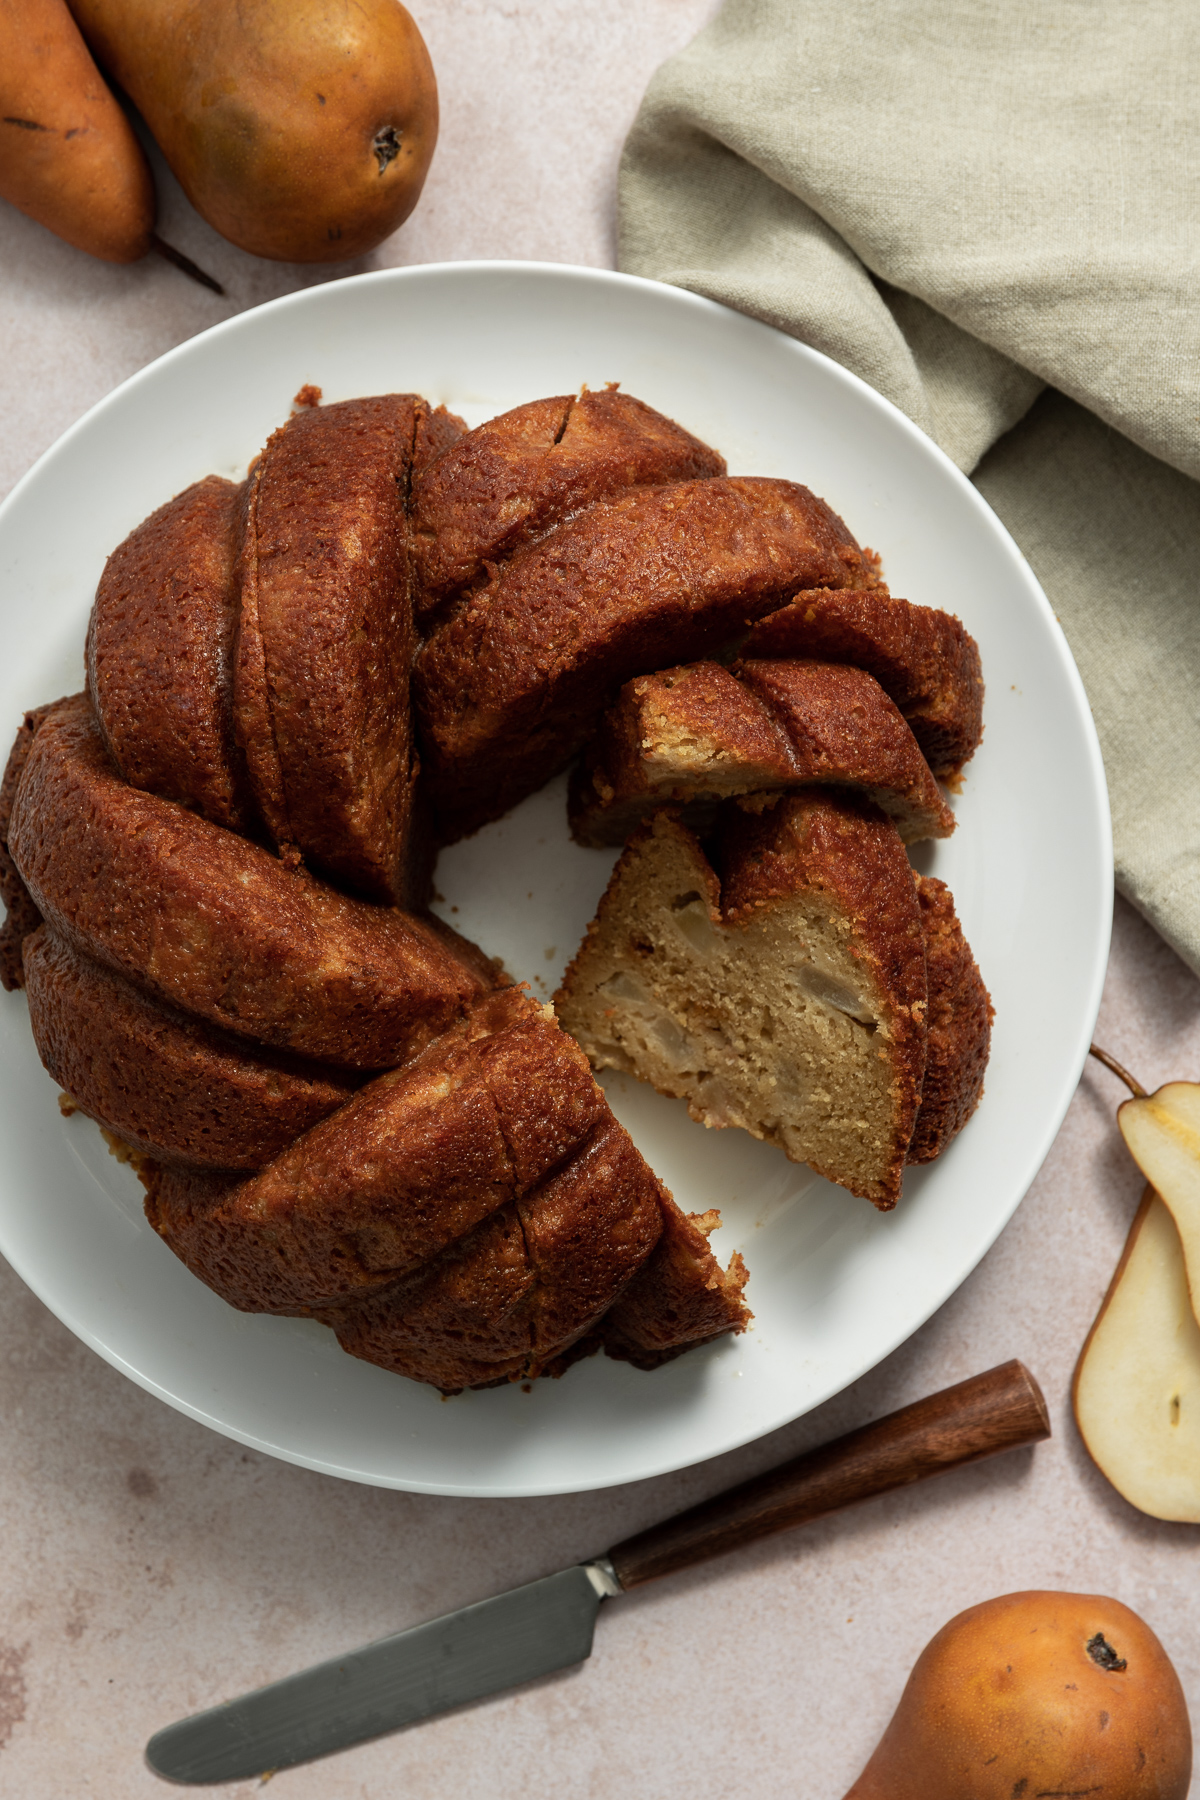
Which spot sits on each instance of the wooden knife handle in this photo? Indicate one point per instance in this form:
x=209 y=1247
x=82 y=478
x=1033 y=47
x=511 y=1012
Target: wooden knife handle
x=998 y=1410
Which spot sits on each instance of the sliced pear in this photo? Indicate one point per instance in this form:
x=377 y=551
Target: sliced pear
x=1162 y=1131
x=1137 y=1384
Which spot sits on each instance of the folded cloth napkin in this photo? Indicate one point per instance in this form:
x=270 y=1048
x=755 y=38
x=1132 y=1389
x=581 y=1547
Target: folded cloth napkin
x=989 y=212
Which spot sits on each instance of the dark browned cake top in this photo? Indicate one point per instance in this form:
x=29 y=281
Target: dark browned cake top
x=960 y=1026
x=160 y=653
x=923 y=658
x=511 y=479
x=218 y=926
x=326 y=639
x=514 y=684
x=162 y=1081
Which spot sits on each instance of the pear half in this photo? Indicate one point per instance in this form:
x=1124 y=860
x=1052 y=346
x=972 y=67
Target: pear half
x=1137 y=1384
x=1162 y=1131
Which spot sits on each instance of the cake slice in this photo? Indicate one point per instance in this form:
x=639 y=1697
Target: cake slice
x=164 y=1083
x=680 y=1297
x=696 y=735
x=219 y=927
x=160 y=651
x=924 y=659
x=326 y=641
x=515 y=477
x=780 y=987
x=515 y=683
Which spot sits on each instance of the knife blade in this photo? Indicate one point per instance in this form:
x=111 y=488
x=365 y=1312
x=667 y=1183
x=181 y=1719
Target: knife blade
x=547 y=1625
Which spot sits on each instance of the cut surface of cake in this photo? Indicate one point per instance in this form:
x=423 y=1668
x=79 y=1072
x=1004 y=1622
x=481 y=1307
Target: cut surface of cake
x=698 y=734
x=780 y=986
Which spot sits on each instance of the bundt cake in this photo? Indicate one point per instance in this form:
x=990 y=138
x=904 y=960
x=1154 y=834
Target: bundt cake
x=160 y=1080
x=466 y=1218
x=215 y=864
x=216 y=925
x=699 y=734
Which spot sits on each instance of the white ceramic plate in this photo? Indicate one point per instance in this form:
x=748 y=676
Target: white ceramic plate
x=834 y=1285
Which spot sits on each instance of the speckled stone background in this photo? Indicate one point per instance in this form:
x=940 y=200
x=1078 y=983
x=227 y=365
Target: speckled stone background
x=149 y=1568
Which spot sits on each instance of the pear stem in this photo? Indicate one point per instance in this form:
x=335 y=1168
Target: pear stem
x=185 y=263
x=1110 y=1062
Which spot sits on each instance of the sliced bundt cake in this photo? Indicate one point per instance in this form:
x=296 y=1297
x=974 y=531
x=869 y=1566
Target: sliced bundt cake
x=166 y=1084
x=696 y=735
x=160 y=650
x=959 y=1026
x=515 y=683
x=326 y=641
x=466 y=1219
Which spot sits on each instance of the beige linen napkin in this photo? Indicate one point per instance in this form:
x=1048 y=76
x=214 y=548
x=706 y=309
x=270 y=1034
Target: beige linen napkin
x=989 y=210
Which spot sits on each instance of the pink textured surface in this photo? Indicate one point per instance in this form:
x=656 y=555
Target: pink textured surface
x=151 y=1568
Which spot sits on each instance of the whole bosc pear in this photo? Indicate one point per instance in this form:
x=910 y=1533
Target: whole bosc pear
x=302 y=130
x=1037 y=1693
x=68 y=155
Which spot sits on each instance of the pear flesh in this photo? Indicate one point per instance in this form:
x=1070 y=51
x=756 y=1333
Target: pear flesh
x=1162 y=1131
x=1137 y=1385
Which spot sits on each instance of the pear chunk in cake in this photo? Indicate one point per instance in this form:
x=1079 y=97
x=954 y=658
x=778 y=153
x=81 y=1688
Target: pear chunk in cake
x=780 y=986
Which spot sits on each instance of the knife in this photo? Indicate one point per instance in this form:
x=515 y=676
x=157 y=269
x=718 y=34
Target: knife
x=548 y=1624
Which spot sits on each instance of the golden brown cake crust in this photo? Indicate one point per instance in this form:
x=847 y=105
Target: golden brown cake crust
x=701 y=733
x=514 y=1298
x=462 y=1220
x=959 y=1027
x=924 y=659
x=408 y=1166
x=326 y=641
x=160 y=651
x=513 y=478
x=217 y=926
x=160 y=1081
x=515 y=683
x=21 y=914
x=681 y=1297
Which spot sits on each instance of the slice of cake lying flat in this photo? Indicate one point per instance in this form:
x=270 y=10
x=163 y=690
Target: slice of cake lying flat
x=780 y=986
x=695 y=735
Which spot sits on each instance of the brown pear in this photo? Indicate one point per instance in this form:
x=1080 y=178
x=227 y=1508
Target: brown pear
x=1037 y=1693
x=300 y=129
x=68 y=156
